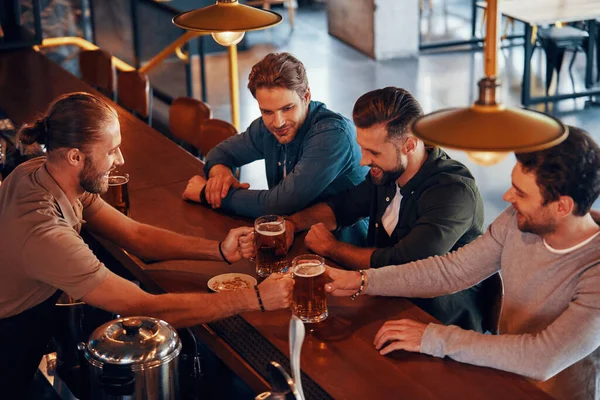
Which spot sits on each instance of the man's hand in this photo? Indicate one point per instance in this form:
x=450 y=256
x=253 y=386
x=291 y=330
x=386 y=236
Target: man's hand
x=276 y=291
x=404 y=334
x=220 y=180
x=231 y=247
x=320 y=240
x=345 y=283
x=247 y=244
x=193 y=188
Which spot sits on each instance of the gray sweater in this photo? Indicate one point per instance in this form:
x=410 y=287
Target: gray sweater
x=550 y=322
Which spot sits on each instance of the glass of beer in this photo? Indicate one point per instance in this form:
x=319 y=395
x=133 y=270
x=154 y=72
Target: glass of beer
x=117 y=194
x=271 y=250
x=309 y=299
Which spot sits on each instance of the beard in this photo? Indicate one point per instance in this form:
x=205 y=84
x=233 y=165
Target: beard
x=92 y=180
x=527 y=225
x=387 y=177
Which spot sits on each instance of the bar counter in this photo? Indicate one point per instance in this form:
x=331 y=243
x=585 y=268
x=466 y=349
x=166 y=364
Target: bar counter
x=339 y=359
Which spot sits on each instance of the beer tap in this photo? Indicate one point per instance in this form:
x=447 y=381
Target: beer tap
x=282 y=386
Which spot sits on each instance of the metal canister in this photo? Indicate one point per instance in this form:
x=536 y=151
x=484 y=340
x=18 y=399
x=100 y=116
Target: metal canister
x=133 y=358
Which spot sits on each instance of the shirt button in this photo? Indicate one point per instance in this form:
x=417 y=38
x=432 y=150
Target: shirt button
x=376 y=225
x=387 y=199
x=412 y=192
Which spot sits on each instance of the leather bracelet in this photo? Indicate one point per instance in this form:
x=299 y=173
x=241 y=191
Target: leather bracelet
x=203 y=196
x=260 y=303
x=362 y=285
x=223 y=255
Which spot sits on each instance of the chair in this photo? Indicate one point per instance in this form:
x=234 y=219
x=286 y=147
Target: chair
x=555 y=41
x=490 y=298
x=186 y=116
x=135 y=94
x=98 y=70
x=266 y=5
x=212 y=132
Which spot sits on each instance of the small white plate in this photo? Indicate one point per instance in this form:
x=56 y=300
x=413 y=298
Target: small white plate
x=231 y=281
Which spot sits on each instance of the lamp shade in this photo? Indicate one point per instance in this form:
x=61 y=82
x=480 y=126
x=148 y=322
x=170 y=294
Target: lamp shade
x=227 y=16
x=490 y=129
x=488 y=126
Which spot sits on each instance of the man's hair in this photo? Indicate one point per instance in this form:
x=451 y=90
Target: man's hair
x=278 y=70
x=392 y=106
x=74 y=120
x=571 y=168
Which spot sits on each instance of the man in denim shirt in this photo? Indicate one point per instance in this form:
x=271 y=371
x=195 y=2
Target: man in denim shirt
x=310 y=152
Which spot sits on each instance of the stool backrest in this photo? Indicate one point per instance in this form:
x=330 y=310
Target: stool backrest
x=98 y=70
x=213 y=132
x=186 y=116
x=135 y=94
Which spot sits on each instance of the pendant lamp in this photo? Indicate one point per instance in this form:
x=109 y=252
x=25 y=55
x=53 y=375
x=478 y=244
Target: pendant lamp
x=227 y=20
x=488 y=130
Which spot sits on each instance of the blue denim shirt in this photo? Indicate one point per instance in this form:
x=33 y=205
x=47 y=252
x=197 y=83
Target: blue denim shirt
x=322 y=160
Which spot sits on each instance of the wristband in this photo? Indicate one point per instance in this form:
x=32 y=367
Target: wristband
x=223 y=255
x=260 y=303
x=362 y=285
x=203 y=196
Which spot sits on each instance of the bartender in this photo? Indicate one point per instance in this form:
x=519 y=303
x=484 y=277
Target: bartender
x=43 y=205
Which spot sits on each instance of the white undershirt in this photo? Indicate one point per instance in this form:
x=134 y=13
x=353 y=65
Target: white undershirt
x=570 y=249
x=392 y=213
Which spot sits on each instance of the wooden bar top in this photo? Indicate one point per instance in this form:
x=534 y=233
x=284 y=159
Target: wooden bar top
x=338 y=354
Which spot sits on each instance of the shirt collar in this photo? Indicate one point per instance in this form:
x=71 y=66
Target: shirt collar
x=432 y=155
x=68 y=211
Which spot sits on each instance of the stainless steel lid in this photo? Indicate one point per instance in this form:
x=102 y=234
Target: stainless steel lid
x=138 y=342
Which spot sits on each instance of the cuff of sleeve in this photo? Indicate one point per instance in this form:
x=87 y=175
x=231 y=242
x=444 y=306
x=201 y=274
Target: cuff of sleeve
x=372 y=277
x=376 y=257
x=90 y=284
x=432 y=342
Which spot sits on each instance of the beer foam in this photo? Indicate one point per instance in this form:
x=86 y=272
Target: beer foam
x=308 y=270
x=267 y=232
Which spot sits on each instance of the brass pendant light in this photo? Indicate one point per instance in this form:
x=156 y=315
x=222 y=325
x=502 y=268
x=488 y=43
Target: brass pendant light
x=488 y=130
x=227 y=20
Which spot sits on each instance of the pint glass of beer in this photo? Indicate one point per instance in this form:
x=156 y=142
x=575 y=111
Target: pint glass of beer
x=117 y=194
x=271 y=250
x=309 y=301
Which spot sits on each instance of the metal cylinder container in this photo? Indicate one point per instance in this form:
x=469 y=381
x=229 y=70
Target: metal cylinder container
x=133 y=358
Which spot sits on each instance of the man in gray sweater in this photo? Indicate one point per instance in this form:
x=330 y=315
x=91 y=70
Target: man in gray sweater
x=547 y=247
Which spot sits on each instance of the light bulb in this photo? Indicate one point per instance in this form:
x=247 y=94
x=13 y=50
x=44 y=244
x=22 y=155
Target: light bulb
x=486 y=158
x=228 y=38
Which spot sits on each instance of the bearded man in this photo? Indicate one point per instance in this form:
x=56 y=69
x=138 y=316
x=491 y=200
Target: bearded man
x=420 y=203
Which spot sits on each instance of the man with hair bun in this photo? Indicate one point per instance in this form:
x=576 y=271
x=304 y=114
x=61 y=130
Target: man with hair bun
x=43 y=204
x=310 y=152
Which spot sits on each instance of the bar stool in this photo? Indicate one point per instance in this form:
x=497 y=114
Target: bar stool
x=555 y=41
x=186 y=117
x=98 y=70
x=213 y=132
x=135 y=94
